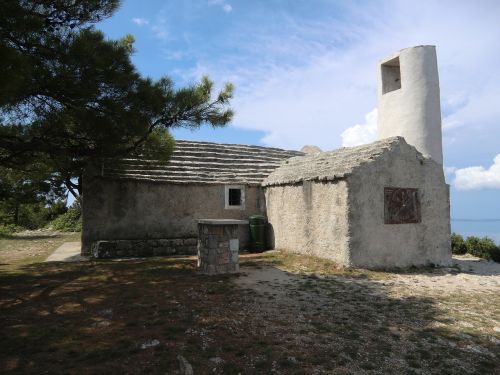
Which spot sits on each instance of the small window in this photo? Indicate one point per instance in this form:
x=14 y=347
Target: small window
x=234 y=197
x=391 y=75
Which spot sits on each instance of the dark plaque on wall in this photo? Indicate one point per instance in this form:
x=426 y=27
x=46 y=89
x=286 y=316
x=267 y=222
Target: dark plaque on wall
x=401 y=206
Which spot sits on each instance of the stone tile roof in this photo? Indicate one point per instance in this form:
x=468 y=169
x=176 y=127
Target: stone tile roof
x=330 y=166
x=203 y=163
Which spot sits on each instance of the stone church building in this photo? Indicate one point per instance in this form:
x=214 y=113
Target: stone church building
x=380 y=205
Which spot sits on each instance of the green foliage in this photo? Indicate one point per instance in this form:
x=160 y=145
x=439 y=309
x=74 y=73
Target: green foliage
x=71 y=221
x=32 y=215
x=7 y=230
x=159 y=145
x=480 y=247
x=35 y=216
x=70 y=97
x=27 y=199
x=483 y=247
x=458 y=245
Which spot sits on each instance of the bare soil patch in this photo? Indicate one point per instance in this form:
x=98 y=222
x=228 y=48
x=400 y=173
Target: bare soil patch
x=283 y=314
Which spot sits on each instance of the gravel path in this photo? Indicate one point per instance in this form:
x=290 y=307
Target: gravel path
x=468 y=275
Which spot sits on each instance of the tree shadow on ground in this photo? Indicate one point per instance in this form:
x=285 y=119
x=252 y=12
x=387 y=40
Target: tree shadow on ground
x=104 y=317
x=20 y=237
x=477 y=266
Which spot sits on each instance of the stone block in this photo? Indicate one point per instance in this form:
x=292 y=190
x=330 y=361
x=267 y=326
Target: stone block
x=212 y=257
x=222 y=259
x=215 y=230
x=161 y=250
x=142 y=248
x=221 y=269
x=223 y=244
x=234 y=244
x=146 y=251
x=126 y=245
x=178 y=242
x=189 y=250
x=190 y=241
x=108 y=245
x=157 y=251
x=163 y=243
x=138 y=246
x=230 y=231
x=212 y=242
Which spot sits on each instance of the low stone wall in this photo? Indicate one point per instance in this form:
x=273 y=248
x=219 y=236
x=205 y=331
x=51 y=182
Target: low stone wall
x=144 y=248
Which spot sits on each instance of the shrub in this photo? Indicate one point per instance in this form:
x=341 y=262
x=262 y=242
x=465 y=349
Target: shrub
x=7 y=230
x=30 y=215
x=458 y=245
x=483 y=247
x=70 y=221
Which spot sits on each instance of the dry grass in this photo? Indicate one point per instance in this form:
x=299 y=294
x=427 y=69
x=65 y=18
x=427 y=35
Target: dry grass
x=30 y=247
x=304 y=264
x=309 y=317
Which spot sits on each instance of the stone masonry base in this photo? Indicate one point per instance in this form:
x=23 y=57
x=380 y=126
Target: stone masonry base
x=218 y=247
x=144 y=248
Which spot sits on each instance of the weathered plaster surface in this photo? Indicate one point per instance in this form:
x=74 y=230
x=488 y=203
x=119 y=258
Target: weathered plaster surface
x=127 y=209
x=374 y=244
x=310 y=218
x=413 y=111
x=343 y=219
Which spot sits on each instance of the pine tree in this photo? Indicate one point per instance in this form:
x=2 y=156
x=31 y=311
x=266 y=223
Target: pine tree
x=70 y=97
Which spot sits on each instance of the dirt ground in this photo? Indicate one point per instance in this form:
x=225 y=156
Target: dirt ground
x=283 y=314
x=31 y=247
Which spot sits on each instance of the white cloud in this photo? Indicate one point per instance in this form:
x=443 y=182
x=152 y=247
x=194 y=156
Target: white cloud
x=173 y=55
x=303 y=81
x=159 y=28
x=310 y=103
x=226 y=7
x=361 y=134
x=140 y=21
x=449 y=171
x=477 y=178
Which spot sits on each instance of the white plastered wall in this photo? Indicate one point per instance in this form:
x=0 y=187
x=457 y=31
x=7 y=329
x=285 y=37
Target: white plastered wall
x=310 y=218
x=412 y=111
x=374 y=244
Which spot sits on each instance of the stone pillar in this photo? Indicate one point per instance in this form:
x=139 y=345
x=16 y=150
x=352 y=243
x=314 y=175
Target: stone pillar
x=218 y=245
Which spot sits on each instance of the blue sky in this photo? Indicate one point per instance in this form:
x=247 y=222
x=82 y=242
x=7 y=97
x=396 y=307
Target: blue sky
x=305 y=73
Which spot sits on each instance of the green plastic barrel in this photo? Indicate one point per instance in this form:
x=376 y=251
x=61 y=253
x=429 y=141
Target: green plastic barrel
x=257 y=233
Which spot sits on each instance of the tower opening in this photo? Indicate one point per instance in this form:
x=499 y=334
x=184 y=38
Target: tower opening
x=391 y=75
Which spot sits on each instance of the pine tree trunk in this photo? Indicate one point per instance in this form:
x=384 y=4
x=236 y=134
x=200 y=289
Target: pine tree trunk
x=16 y=213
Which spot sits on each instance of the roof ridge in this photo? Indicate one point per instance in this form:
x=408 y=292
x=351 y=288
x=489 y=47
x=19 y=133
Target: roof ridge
x=331 y=165
x=236 y=145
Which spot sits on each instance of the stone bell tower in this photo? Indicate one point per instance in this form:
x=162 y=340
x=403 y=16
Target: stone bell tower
x=409 y=102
